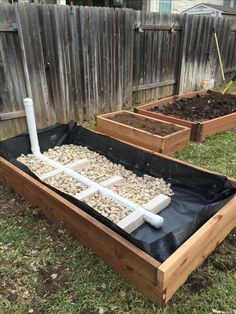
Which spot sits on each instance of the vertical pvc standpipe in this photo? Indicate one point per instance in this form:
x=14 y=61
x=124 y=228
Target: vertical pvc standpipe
x=155 y=220
x=30 y=118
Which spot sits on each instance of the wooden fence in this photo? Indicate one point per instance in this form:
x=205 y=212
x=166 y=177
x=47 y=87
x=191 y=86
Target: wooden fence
x=156 y=55
x=169 y=61
x=76 y=62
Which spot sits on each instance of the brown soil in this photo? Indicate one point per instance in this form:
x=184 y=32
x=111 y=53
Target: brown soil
x=50 y=286
x=7 y=285
x=145 y=124
x=196 y=285
x=226 y=254
x=223 y=259
x=200 y=108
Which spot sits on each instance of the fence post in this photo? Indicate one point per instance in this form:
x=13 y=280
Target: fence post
x=181 y=67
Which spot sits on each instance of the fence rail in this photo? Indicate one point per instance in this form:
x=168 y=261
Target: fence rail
x=77 y=62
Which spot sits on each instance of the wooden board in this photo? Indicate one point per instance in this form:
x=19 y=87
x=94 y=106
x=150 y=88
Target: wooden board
x=175 y=270
x=156 y=281
x=199 y=130
x=91 y=48
x=156 y=55
x=132 y=263
x=12 y=81
x=217 y=125
x=12 y=115
x=168 y=144
x=192 y=125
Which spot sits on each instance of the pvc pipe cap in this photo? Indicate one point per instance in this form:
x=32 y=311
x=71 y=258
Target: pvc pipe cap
x=28 y=102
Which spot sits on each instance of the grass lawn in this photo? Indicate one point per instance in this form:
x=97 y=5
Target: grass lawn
x=43 y=269
x=231 y=90
x=217 y=153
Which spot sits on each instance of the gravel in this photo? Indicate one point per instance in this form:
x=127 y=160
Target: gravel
x=137 y=189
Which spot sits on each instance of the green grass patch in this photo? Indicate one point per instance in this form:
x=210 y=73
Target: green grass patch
x=42 y=267
x=89 y=124
x=217 y=153
x=231 y=90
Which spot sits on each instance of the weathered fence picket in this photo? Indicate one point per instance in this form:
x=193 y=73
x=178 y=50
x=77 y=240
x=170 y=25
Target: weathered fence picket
x=12 y=80
x=156 y=55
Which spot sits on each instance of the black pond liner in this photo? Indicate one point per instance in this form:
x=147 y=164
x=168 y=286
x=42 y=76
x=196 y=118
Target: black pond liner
x=197 y=195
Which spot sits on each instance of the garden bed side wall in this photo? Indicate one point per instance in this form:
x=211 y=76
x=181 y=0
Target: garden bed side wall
x=168 y=144
x=158 y=282
x=129 y=261
x=199 y=130
x=175 y=270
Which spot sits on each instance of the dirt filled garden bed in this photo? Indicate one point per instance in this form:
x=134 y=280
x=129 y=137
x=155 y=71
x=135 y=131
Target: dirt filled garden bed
x=146 y=124
x=157 y=135
x=206 y=113
x=200 y=108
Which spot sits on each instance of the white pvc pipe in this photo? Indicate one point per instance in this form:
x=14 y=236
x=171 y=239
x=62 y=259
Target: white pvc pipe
x=30 y=118
x=154 y=220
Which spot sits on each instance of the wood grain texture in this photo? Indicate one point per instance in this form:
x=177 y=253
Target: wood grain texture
x=128 y=260
x=156 y=281
x=163 y=144
x=217 y=125
x=156 y=55
x=12 y=115
x=8 y=27
x=199 y=130
x=197 y=40
x=77 y=62
x=74 y=62
x=176 y=269
x=170 y=99
x=206 y=250
x=196 y=128
x=12 y=83
x=159 y=116
x=153 y=85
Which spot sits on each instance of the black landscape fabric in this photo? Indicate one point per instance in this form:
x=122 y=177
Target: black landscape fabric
x=197 y=195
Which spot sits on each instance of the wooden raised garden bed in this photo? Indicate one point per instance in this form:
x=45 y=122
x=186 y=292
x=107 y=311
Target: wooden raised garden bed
x=146 y=132
x=157 y=281
x=201 y=127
